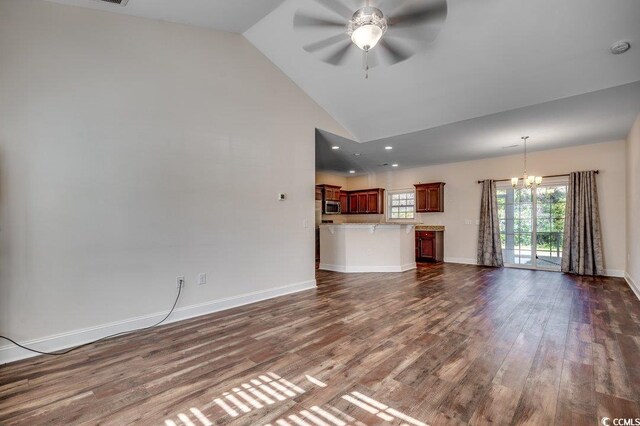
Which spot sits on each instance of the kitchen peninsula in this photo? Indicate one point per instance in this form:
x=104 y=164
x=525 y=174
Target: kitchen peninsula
x=367 y=247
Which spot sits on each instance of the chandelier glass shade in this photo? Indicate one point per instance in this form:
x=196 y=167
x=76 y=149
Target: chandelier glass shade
x=527 y=181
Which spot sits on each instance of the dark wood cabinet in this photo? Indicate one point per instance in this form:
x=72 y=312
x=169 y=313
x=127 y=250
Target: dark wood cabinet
x=372 y=202
x=430 y=197
x=429 y=246
x=362 y=202
x=328 y=192
x=344 y=201
x=365 y=201
x=352 y=206
x=331 y=193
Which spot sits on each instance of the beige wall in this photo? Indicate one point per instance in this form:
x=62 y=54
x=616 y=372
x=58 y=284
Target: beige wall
x=133 y=151
x=462 y=193
x=633 y=207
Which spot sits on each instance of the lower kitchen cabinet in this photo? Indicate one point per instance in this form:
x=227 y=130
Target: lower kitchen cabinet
x=429 y=246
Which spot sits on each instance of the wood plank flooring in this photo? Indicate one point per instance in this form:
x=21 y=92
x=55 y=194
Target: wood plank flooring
x=444 y=345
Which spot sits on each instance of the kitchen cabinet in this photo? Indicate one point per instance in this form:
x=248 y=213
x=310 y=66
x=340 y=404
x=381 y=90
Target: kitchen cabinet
x=430 y=197
x=365 y=201
x=331 y=193
x=429 y=246
x=352 y=206
x=344 y=201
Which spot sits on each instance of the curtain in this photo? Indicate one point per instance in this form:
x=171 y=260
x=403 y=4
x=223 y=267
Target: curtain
x=489 y=246
x=582 y=246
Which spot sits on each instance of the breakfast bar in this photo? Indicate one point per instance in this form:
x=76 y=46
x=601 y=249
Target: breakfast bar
x=367 y=247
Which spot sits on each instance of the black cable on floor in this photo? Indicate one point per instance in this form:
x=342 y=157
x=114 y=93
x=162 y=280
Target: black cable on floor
x=66 y=351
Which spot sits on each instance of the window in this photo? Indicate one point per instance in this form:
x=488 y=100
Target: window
x=402 y=204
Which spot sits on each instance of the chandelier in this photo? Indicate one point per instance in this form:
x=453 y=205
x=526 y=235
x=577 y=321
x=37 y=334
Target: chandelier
x=527 y=181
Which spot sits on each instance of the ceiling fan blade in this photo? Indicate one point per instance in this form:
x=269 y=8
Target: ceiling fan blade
x=434 y=12
x=339 y=57
x=318 y=45
x=395 y=52
x=337 y=7
x=301 y=20
x=388 y=6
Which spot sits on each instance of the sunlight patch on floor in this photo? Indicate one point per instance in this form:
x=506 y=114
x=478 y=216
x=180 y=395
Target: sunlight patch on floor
x=269 y=389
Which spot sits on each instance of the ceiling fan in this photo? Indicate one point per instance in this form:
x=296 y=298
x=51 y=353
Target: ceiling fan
x=369 y=27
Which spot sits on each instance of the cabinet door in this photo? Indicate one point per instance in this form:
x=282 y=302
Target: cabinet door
x=344 y=202
x=362 y=202
x=421 y=199
x=353 y=203
x=433 y=195
x=372 y=202
x=427 y=246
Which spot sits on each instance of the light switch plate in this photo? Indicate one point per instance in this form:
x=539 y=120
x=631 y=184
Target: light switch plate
x=202 y=278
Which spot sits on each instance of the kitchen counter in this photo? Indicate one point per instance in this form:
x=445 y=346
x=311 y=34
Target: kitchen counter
x=433 y=228
x=367 y=247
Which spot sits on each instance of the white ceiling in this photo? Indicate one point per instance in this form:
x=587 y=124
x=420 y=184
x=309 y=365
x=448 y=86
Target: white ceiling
x=604 y=115
x=490 y=56
x=224 y=15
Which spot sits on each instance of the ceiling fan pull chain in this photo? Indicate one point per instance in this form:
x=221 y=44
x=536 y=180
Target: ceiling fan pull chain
x=366 y=64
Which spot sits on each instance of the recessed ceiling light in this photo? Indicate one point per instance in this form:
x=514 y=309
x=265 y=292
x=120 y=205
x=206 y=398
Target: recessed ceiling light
x=619 y=47
x=352 y=171
x=388 y=148
x=357 y=154
x=335 y=147
x=394 y=165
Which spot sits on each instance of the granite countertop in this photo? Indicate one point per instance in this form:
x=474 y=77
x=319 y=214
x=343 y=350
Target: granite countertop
x=429 y=228
x=368 y=223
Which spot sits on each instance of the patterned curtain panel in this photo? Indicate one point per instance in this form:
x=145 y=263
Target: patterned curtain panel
x=489 y=246
x=582 y=248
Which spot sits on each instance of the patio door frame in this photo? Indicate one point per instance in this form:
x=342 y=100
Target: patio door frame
x=558 y=181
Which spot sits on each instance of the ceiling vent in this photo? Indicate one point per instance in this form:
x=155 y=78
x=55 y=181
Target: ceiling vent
x=120 y=2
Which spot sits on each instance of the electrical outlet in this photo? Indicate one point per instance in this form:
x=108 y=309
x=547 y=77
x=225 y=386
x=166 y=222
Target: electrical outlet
x=180 y=282
x=202 y=278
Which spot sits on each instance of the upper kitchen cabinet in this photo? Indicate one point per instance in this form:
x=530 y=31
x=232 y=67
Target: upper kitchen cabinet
x=429 y=197
x=365 y=201
x=344 y=201
x=331 y=192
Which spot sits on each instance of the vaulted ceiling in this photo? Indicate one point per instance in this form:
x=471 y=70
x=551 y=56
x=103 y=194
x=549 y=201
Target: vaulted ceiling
x=489 y=58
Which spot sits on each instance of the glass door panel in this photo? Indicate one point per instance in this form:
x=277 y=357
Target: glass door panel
x=532 y=225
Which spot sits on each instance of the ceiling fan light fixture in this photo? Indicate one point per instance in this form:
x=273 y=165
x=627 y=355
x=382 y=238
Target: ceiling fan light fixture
x=366 y=27
x=367 y=36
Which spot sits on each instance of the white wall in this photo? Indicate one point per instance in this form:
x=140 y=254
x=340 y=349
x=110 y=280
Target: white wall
x=133 y=151
x=633 y=207
x=462 y=193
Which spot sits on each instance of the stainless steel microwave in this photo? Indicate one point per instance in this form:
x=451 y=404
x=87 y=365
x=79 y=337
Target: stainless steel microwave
x=332 y=207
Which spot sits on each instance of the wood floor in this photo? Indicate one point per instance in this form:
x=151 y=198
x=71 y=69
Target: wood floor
x=446 y=344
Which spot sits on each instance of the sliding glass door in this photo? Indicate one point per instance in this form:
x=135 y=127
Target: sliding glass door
x=532 y=225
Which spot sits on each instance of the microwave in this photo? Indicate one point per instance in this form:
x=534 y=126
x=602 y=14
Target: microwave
x=332 y=207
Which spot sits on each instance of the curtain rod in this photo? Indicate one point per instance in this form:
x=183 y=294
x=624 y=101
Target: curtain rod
x=543 y=177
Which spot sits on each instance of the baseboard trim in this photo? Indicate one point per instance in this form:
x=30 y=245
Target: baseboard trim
x=60 y=341
x=461 y=260
x=634 y=286
x=363 y=269
x=614 y=273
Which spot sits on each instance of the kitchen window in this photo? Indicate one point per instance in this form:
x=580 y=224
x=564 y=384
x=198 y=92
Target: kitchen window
x=402 y=205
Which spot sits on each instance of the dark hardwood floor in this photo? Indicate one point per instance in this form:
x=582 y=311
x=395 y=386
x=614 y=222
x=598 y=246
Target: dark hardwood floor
x=446 y=344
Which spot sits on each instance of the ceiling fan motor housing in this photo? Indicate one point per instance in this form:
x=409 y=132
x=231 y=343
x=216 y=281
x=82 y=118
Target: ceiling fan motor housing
x=366 y=27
